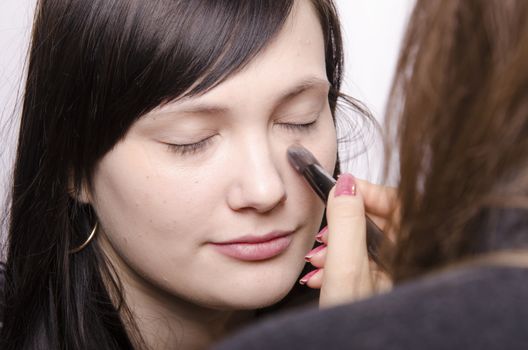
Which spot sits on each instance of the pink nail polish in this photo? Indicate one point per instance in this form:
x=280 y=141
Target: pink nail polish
x=345 y=186
x=307 y=277
x=313 y=252
x=319 y=237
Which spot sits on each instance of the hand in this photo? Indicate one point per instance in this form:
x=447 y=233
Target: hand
x=380 y=205
x=344 y=271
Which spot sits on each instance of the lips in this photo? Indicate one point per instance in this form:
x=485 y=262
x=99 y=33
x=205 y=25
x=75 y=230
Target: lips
x=255 y=248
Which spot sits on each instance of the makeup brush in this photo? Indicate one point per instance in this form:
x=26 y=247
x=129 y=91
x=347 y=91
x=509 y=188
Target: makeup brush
x=321 y=182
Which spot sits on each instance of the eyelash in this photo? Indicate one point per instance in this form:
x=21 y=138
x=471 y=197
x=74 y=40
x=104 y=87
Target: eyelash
x=299 y=127
x=192 y=148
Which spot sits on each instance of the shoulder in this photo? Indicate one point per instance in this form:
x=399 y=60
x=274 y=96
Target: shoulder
x=477 y=308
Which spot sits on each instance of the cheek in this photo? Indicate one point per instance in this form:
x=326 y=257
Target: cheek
x=324 y=144
x=146 y=206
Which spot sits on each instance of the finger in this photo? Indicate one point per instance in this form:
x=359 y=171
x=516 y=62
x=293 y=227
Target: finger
x=316 y=280
x=317 y=256
x=381 y=282
x=378 y=220
x=311 y=278
x=347 y=274
x=322 y=236
x=378 y=199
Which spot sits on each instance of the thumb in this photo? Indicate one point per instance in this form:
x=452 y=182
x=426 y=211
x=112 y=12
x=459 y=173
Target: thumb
x=346 y=271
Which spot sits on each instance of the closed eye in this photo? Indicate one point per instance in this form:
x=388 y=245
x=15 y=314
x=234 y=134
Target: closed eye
x=190 y=148
x=302 y=127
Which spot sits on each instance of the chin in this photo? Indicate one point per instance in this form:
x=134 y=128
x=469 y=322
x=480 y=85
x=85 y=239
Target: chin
x=250 y=297
x=262 y=301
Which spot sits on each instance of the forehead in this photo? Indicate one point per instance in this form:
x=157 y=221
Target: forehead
x=295 y=56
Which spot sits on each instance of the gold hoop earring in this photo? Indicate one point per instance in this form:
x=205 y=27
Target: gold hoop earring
x=82 y=246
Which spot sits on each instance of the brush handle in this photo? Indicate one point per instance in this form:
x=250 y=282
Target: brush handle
x=321 y=182
x=375 y=238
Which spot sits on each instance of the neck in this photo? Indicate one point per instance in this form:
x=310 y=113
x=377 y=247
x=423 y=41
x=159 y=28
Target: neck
x=168 y=322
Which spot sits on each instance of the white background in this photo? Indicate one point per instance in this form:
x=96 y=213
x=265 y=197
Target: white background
x=372 y=34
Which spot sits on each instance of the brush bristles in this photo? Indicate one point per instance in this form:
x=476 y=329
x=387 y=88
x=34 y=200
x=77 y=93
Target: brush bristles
x=300 y=157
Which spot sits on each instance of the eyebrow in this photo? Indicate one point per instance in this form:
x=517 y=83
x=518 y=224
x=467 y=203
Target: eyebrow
x=298 y=89
x=304 y=85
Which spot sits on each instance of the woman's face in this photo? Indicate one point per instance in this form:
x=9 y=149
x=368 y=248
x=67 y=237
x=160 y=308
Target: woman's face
x=199 y=202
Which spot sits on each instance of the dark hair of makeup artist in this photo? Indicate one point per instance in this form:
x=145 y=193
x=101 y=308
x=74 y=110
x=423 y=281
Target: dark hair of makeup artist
x=462 y=127
x=95 y=67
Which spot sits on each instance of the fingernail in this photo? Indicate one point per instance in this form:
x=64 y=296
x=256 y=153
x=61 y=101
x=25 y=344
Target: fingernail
x=319 y=237
x=307 y=277
x=345 y=186
x=313 y=252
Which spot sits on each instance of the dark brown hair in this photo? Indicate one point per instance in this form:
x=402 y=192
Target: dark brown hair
x=460 y=107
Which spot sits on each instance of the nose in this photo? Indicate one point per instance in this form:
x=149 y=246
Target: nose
x=257 y=182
